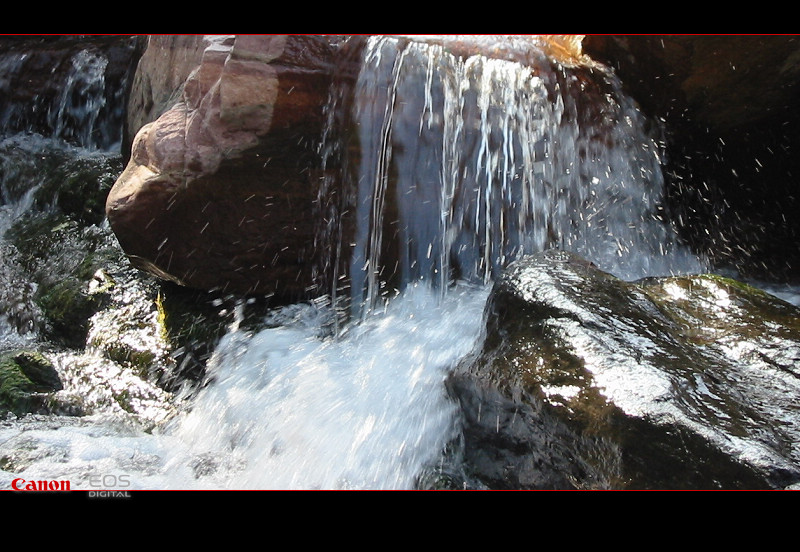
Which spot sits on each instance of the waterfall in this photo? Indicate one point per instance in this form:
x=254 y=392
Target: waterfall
x=79 y=100
x=468 y=163
x=465 y=164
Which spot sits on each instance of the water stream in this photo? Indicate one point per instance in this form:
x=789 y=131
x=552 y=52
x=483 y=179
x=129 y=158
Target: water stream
x=493 y=160
x=468 y=163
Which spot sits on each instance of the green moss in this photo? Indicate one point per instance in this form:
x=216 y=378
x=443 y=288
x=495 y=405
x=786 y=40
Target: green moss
x=24 y=377
x=58 y=242
x=68 y=307
x=140 y=360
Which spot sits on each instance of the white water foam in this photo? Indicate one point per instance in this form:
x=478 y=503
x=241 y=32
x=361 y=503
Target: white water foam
x=288 y=408
x=364 y=410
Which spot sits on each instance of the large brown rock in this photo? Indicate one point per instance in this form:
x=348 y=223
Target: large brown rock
x=220 y=187
x=224 y=174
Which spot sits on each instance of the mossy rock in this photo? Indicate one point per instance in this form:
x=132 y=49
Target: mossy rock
x=62 y=259
x=26 y=380
x=68 y=308
x=59 y=242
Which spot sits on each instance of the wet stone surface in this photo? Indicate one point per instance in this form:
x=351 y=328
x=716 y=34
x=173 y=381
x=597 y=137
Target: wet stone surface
x=588 y=381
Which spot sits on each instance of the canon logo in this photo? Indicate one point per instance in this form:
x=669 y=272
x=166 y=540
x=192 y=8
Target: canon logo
x=23 y=485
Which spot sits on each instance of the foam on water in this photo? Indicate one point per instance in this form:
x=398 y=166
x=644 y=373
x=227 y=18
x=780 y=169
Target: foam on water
x=288 y=407
x=364 y=410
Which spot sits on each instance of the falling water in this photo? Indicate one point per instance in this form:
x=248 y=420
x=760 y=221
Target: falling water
x=76 y=103
x=469 y=163
x=464 y=165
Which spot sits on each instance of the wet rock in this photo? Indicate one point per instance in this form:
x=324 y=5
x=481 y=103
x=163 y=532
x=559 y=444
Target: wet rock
x=587 y=381
x=26 y=379
x=223 y=189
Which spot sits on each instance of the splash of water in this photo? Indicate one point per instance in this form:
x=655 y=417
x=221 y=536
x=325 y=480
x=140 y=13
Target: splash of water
x=468 y=163
x=366 y=410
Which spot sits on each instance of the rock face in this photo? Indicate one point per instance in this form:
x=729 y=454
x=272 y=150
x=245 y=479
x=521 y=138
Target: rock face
x=223 y=186
x=586 y=381
x=219 y=190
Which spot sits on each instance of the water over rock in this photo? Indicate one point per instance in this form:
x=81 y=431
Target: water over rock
x=69 y=87
x=221 y=190
x=587 y=381
x=225 y=189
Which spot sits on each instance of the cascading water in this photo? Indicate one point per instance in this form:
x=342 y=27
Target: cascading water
x=469 y=163
x=78 y=101
x=464 y=165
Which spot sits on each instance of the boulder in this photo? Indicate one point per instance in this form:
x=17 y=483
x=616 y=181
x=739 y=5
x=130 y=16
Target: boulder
x=222 y=190
x=219 y=190
x=587 y=381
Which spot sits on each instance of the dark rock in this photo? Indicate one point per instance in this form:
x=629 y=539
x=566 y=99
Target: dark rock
x=587 y=381
x=717 y=82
